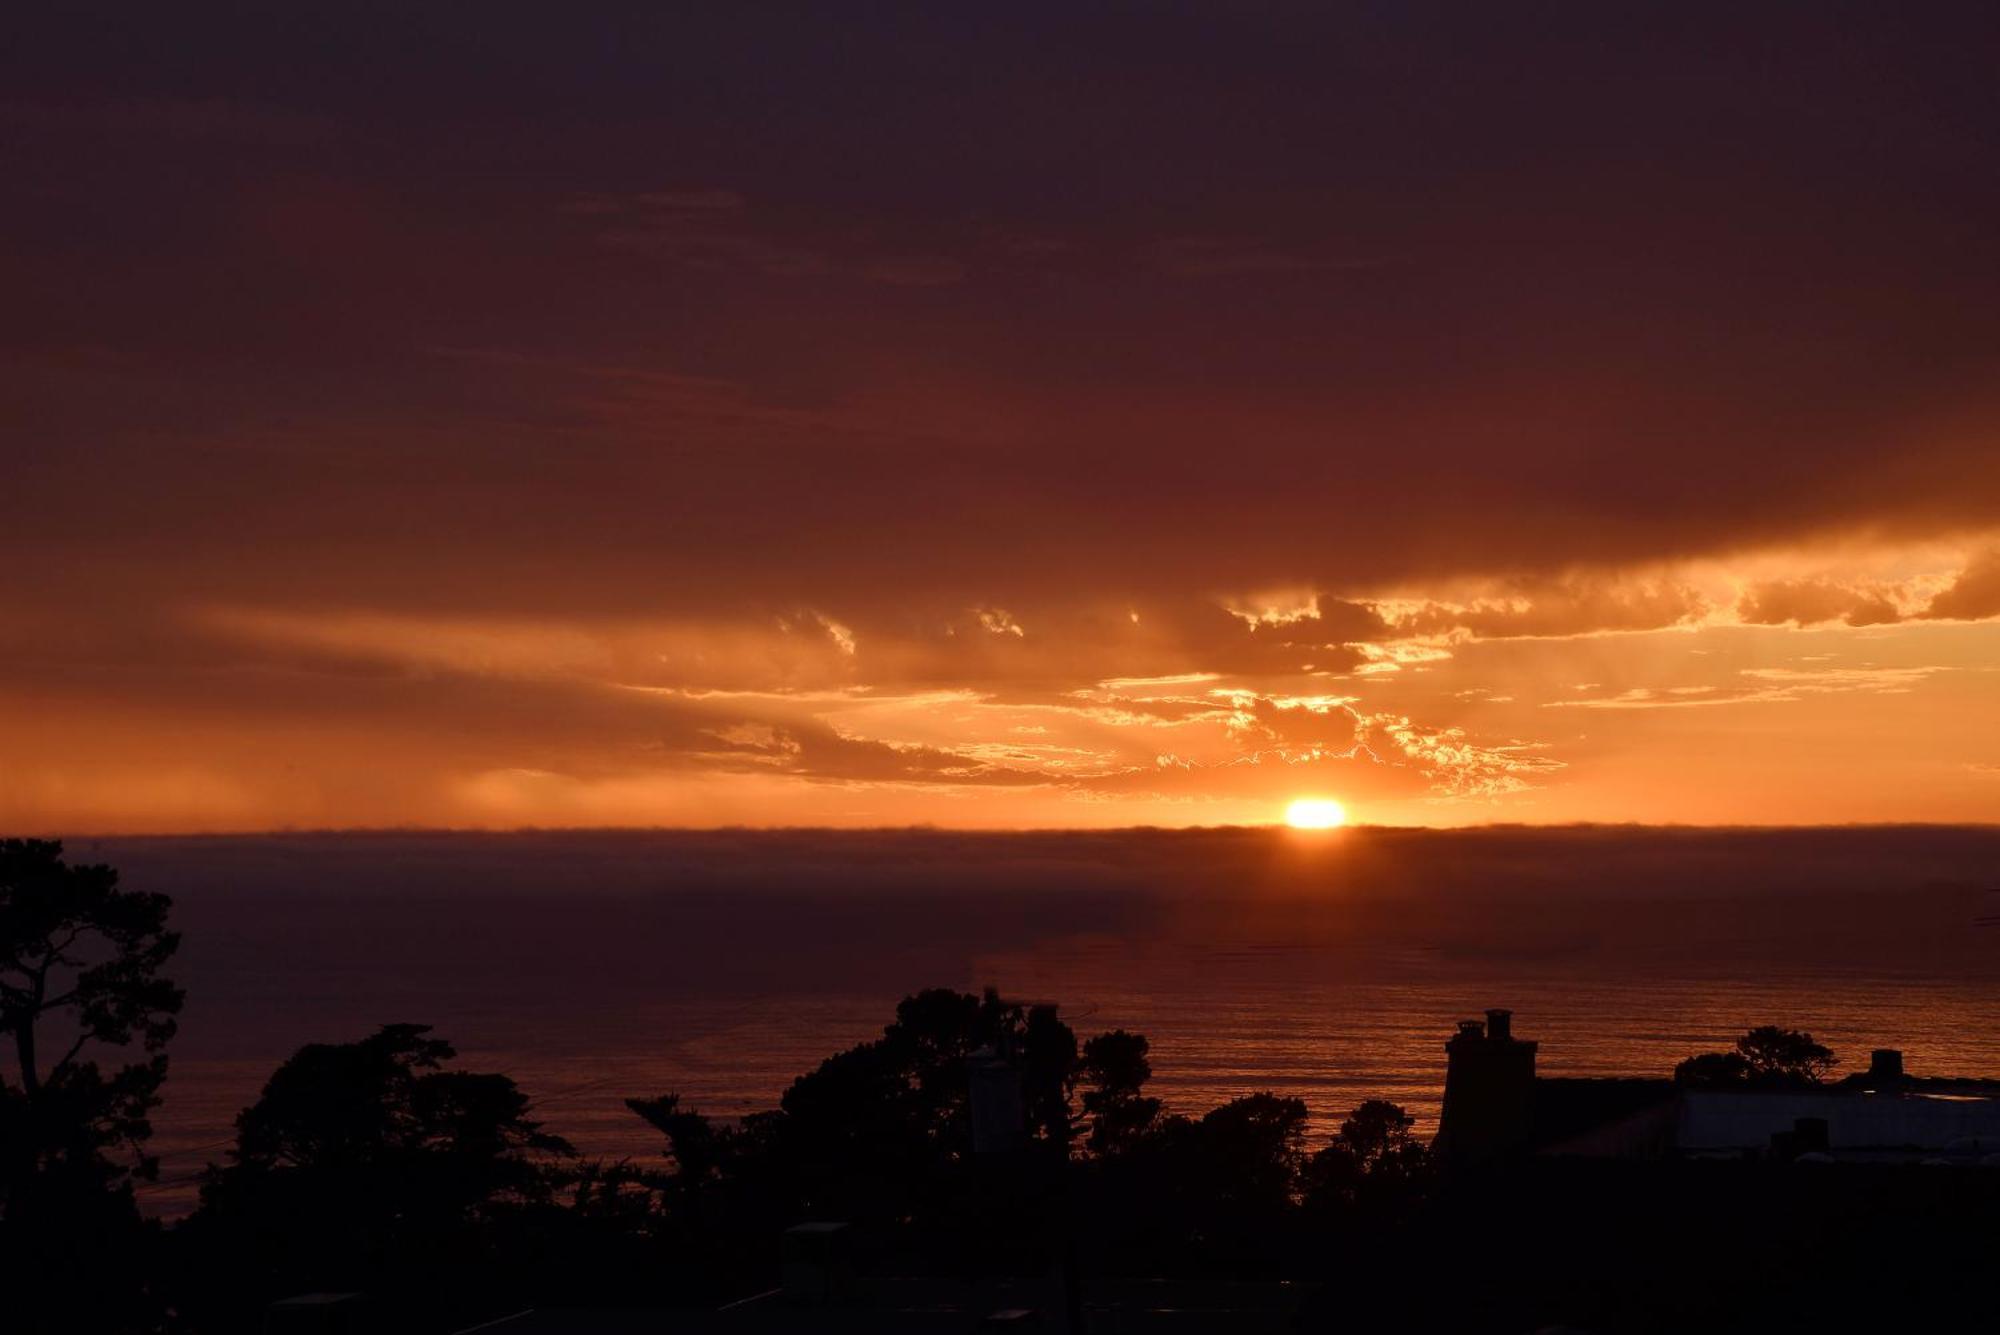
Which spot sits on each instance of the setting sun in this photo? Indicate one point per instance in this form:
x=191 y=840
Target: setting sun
x=1315 y=813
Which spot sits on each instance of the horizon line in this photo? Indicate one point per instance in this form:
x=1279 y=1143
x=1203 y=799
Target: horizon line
x=1271 y=827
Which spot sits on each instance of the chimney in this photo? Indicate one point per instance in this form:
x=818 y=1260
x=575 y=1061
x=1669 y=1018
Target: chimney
x=1489 y=1092
x=1885 y=1066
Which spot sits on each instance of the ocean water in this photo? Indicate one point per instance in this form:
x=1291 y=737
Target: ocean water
x=596 y=968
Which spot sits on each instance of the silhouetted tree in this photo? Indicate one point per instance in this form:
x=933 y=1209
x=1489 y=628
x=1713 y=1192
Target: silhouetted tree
x=457 y=1140
x=880 y=1132
x=80 y=963
x=1254 y=1147
x=725 y=1193
x=1372 y=1171
x=1218 y=1189
x=1713 y=1070
x=363 y=1164
x=1767 y=1055
x=75 y=947
x=1785 y=1054
x=1114 y=1072
x=1048 y=1056
x=1377 y=1132
x=880 y=1135
x=695 y=1147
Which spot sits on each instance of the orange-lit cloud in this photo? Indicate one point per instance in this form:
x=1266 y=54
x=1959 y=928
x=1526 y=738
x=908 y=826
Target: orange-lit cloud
x=1974 y=595
x=227 y=717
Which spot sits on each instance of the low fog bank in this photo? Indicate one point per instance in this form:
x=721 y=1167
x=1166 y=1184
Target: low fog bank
x=889 y=911
x=1621 y=862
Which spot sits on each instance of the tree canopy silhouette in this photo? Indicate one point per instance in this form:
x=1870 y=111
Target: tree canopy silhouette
x=1377 y=1132
x=1788 y=1054
x=1767 y=1055
x=866 y=1134
x=1374 y=1169
x=80 y=980
x=881 y=1134
x=80 y=963
x=1114 y=1072
x=361 y=1162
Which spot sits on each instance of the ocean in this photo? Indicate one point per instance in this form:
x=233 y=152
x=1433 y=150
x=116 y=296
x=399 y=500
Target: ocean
x=597 y=966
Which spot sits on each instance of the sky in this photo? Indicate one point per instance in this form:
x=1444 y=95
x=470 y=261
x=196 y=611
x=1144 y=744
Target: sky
x=994 y=417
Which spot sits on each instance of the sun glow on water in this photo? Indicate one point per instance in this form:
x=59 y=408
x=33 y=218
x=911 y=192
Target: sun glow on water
x=1315 y=813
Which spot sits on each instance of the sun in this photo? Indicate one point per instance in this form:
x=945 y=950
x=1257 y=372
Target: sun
x=1315 y=813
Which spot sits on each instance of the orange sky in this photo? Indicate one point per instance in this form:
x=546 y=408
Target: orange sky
x=1603 y=696
x=1068 y=422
